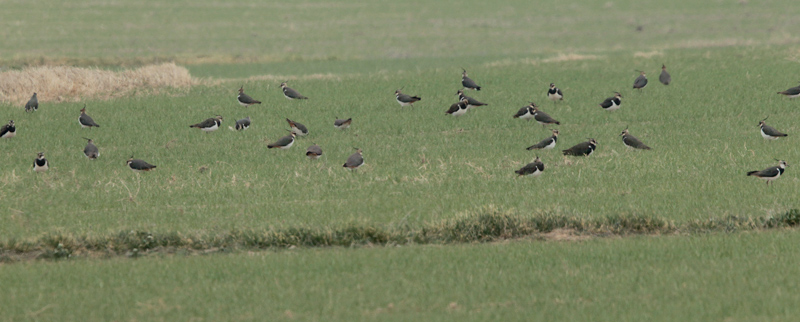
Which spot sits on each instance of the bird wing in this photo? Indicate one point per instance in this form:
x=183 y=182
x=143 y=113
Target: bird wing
x=354 y=160
x=633 y=142
x=665 y=78
x=578 y=149
x=543 y=117
x=293 y=93
x=771 y=131
x=768 y=172
x=521 y=112
x=640 y=82
x=87 y=120
x=469 y=83
x=244 y=98
x=205 y=124
x=542 y=143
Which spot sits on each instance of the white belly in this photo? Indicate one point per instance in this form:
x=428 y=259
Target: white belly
x=460 y=112
x=613 y=107
x=243 y=104
x=210 y=129
x=287 y=146
x=527 y=116
x=764 y=135
x=403 y=103
x=297 y=132
x=42 y=168
x=551 y=145
x=9 y=135
x=553 y=97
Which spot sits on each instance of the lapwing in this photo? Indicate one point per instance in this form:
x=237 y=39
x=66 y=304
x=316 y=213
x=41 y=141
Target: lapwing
x=284 y=142
x=354 y=161
x=581 y=149
x=244 y=99
x=86 y=120
x=768 y=132
x=40 y=164
x=554 y=93
x=290 y=93
x=209 y=125
x=641 y=81
x=138 y=165
x=405 y=100
x=314 y=152
x=770 y=173
x=467 y=82
x=664 y=78
x=91 y=151
x=534 y=168
x=32 y=104
x=342 y=123
x=793 y=92
x=471 y=102
x=542 y=117
x=8 y=131
x=242 y=124
x=525 y=113
x=545 y=144
x=631 y=141
x=297 y=128
x=458 y=109
x=612 y=103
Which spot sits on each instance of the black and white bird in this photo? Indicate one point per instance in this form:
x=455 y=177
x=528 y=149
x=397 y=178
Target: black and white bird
x=768 y=132
x=354 y=161
x=631 y=141
x=297 y=128
x=244 y=99
x=290 y=93
x=641 y=81
x=40 y=164
x=314 y=152
x=612 y=103
x=554 y=93
x=664 y=78
x=534 y=168
x=467 y=82
x=471 y=102
x=526 y=112
x=405 y=100
x=138 y=165
x=32 y=104
x=284 y=142
x=8 y=131
x=209 y=125
x=793 y=92
x=542 y=117
x=91 y=151
x=545 y=144
x=242 y=124
x=342 y=123
x=582 y=149
x=458 y=109
x=86 y=120
x=770 y=173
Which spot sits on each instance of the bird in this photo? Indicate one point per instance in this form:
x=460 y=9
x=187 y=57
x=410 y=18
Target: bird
x=612 y=103
x=405 y=100
x=40 y=164
x=467 y=82
x=664 y=78
x=138 y=165
x=581 y=149
x=535 y=168
x=768 y=132
x=641 y=81
x=86 y=120
x=542 y=117
x=770 y=173
x=284 y=142
x=631 y=141
x=458 y=109
x=554 y=93
x=793 y=92
x=32 y=104
x=290 y=93
x=209 y=125
x=242 y=124
x=354 y=161
x=9 y=130
x=91 y=151
x=298 y=128
x=244 y=99
x=525 y=113
x=314 y=152
x=547 y=143
x=342 y=123
x=471 y=102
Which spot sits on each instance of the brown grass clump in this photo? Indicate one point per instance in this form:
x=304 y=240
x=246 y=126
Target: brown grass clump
x=62 y=83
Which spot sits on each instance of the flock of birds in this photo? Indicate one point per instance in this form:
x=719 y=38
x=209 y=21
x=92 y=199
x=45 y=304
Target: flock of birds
x=464 y=104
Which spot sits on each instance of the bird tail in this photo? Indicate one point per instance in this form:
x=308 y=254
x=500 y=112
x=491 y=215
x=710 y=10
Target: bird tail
x=194 y=126
x=270 y=146
x=751 y=173
x=258 y=102
x=478 y=88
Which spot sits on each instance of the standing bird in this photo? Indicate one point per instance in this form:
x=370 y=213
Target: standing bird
x=471 y=102
x=525 y=113
x=209 y=125
x=768 y=132
x=458 y=109
x=641 y=81
x=545 y=144
x=770 y=173
x=32 y=104
x=284 y=142
x=664 y=78
x=354 y=161
x=40 y=164
x=793 y=92
x=297 y=128
x=542 y=117
x=314 y=152
x=467 y=82
x=534 y=168
x=291 y=93
x=405 y=100
x=242 y=124
x=342 y=123
x=8 y=131
x=554 y=93
x=244 y=99
x=138 y=165
x=581 y=149
x=86 y=120
x=91 y=151
x=612 y=103
x=631 y=141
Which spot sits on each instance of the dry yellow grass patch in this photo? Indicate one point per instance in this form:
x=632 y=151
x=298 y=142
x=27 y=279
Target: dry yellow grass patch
x=533 y=61
x=62 y=83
